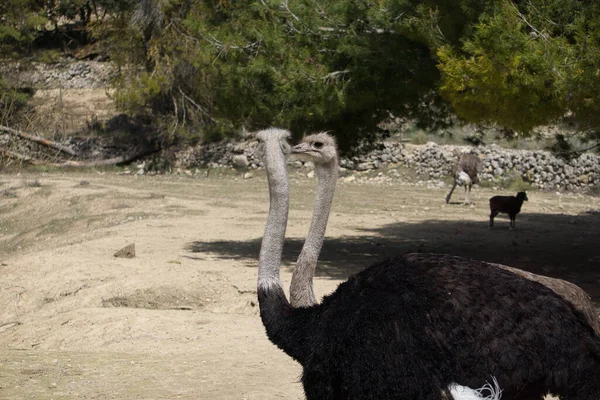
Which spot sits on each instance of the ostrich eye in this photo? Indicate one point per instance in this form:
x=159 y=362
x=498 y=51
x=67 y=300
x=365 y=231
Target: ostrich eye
x=318 y=145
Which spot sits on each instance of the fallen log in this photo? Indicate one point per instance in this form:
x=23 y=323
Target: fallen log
x=39 y=140
x=123 y=159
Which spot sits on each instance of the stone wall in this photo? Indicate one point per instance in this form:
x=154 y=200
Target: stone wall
x=65 y=74
x=541 y=168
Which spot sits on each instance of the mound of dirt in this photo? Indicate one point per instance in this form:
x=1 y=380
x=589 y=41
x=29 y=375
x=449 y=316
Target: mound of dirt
x=159 y=298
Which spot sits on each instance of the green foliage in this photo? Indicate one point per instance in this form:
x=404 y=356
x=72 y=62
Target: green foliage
x=215 y=67
x=11 y=102
x=204 y=69
x=509 y=74
x=19 y=22
x=525 y=66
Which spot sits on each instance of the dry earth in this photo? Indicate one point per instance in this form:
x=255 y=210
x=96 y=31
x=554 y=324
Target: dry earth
x=179 y=321
x=69 y=111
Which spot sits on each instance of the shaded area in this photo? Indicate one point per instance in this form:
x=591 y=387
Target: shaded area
x=561 y=246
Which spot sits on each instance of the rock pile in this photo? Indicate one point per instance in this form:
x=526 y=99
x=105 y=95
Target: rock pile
x=68 y=75
x=434 y=162
x=541 y=168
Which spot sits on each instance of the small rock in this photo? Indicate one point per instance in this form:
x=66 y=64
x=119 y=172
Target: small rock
x=126 y=252
x=248 y=175
x=364 y=166
x=240 y=161
x=311 y=174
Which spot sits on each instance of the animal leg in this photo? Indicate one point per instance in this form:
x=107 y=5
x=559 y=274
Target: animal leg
x=512 y=222
x=492 y=216
x=468 y=193
x=450 y=192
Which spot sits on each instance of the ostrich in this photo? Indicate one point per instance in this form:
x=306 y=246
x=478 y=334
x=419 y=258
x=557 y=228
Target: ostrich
x=465 y=173
x=567 y=290
x=321 y=150
x=408 y=326
x=326 y=169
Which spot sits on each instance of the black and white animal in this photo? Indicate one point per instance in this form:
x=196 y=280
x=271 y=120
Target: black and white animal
x=510 y=205
x=412 y=326
x=465 y=173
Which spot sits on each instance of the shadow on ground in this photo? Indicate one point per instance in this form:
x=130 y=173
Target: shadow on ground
x=557 y=245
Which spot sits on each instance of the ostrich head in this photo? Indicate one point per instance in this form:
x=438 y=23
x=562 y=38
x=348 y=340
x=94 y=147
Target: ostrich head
x=319 y=148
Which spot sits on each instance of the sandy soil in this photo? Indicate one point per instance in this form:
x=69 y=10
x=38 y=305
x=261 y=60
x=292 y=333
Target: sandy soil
x=179 y=321
x=70 y=110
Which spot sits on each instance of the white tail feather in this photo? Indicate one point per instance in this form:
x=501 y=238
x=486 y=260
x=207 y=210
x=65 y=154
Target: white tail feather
x=463 y=178
x=459 y=392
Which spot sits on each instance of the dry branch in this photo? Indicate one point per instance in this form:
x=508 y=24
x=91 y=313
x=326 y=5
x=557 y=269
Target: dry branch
x=123 y=159
x=39 y=140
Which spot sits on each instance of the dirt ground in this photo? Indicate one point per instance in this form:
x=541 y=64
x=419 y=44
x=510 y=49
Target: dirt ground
x=70 y=110
x=180 y=321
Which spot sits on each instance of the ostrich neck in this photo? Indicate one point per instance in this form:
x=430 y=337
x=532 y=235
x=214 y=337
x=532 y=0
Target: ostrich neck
x=272 y=243
x=301 y=288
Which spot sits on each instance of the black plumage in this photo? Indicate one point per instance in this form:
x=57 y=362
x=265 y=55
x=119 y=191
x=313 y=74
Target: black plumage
x=414 y=326
x=406 y=327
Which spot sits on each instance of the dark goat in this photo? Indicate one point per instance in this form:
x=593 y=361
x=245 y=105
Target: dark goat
x=510 y=205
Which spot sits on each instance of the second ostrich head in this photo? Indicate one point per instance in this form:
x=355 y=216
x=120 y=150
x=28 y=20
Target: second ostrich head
x=321 y=150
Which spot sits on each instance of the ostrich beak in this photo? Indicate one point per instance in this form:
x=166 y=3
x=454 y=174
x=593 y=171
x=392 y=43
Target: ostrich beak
x=301 y=148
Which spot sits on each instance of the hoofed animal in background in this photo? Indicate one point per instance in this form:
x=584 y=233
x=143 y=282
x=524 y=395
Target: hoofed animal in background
x=465 y=173
x=412 y=326
x=510 y=205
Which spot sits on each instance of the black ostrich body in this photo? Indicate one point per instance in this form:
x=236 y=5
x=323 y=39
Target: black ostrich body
x=416 y=326
x=406 y=327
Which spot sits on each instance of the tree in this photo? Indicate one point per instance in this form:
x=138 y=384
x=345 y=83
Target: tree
x=205 y=68
x=19 y=21
x=527 y=64
x=306 y=66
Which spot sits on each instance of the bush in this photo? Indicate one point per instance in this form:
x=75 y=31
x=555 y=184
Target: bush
x=12 y=102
